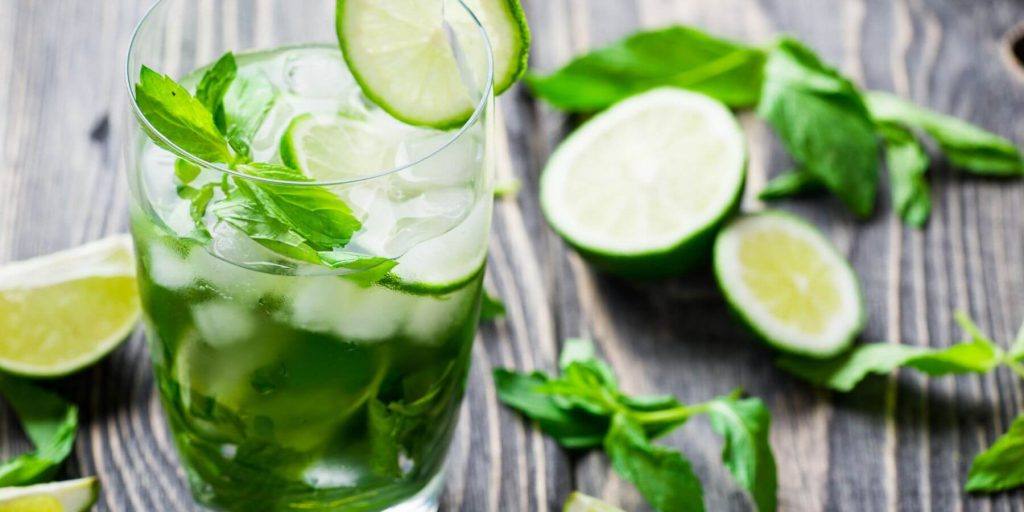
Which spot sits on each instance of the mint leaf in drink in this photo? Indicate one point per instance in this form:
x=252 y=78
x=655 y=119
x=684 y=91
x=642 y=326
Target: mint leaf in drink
x=51 y=425
x=907 y=162
x=977 y=355
x=185 y=171
x=795 y=182
x=822 y=121
x=366 y=269
x=313 y=212
x=200 y=200
x=491 y=307
x=215 y=83
x=663 y=476
x=966 y=145
x=180 y=117
x=246 y=105
x=1001 y=466
x=245 y=215
x=745 y=425
x=573 y=429
x=675 y=56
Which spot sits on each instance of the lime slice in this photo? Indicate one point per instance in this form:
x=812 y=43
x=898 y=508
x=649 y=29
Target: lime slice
x=70 y=496
x=402 y=55
x=789 y=284
x=328 y=148
x=63 y=312
x=640 y=189
x=579 y=502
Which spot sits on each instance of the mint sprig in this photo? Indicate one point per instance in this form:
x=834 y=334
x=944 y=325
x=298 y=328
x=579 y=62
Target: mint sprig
x=51 y=425
x=491 y=307
x=996 y=469
x=584 y=408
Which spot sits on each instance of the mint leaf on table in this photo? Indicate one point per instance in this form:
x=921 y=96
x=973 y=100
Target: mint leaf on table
x=907 y=163
x=491 y=307
x=675 y=56
x=1017 y=349
x=51 y=425
x=745 y=425
x=573 y=429
x=965 y=145
x=823 y=123
x=215 y=83
x=1001 y=466
x=246 y=105
x=663 y=476
x=795 y=182
x=180 y=117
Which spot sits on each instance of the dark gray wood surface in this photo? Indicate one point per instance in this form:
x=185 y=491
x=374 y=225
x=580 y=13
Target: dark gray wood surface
x=896 y=444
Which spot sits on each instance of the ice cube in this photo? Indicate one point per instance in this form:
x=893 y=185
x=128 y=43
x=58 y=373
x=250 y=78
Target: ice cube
x=316 y=75
x=266 y=142
x=428 y=215
x=434 y=319
x=229 y=278
x=335 y=305
x=456 y=164
x=224 y=323
x=168 y=267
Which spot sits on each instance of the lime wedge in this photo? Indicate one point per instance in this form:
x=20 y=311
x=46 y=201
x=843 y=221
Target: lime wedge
x=579 y=502
x=329 y=148
x=789 y=284
x=63 y=312
x=70 y=496
x=640 y=189
x=403 y=58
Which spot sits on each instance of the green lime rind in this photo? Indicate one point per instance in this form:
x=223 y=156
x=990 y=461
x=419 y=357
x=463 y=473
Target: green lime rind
x=515 y=16
x=392 y=282
x=289 y=151
x=746 y=318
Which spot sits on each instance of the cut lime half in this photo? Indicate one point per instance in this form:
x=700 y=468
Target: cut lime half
x=789 y=284
x=641 y=188
x=335 y=148
x=579 y=502
x=70 y=496
x=63 y=312
x=404 y=59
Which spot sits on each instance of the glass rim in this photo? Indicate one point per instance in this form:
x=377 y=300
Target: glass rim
x=178 y=151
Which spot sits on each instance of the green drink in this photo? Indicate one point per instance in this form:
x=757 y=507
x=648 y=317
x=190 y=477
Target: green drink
x=311 y=334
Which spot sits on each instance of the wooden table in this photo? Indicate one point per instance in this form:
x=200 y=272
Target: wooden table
x=895 y=444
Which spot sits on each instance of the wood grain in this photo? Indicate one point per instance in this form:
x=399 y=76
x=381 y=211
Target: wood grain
x=903 y=443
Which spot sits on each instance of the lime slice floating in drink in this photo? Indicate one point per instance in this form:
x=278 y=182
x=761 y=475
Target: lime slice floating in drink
x=789 y=284
x=70 y=496
x=334 y=148
x=63 y=312
x=640 y=189
x=579 y=502
x=403 y=58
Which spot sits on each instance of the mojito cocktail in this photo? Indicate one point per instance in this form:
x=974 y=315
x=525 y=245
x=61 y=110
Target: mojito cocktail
x=311 y=279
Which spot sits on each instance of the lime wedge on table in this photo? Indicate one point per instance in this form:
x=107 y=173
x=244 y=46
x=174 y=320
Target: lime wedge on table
x=70 y=496
x=579 y=502
x=328 y=148
x=790 y=285
x=401 y=54
x=62 y=312
x=641 y=188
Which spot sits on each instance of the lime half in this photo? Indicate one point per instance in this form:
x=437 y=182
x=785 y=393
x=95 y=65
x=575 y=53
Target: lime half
x=641 y=188
x=334 y=148
x=70 y=496
x=63 y=312
x=790 y=285
x=579 y=502
x=404 y=58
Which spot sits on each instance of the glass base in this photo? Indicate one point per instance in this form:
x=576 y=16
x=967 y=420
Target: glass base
x=424 y=501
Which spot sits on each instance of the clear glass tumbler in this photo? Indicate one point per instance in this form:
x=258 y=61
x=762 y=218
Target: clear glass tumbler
x=290 y=384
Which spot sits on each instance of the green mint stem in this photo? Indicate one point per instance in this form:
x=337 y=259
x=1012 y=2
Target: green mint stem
x=680 y=413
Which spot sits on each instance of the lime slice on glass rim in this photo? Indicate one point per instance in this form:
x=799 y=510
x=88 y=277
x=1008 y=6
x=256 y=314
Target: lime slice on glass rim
x=70 y=496
x=789 y=284
x=401 y=55
x=63 y=312
x=640 y=189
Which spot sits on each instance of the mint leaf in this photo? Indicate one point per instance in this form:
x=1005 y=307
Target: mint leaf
x=795 y=182
x=907 y=162
x=846 y=371
x=367 y=269
x=313 y=212
x=49 y=422
x=663 y=476
x=1001 y=466
x=1017 y=350
x=200 y=200
x=185 y=171
x=675 y=56
x=822 y=121
x=246 y=105
x=245 y=215
x=215 y=83
x=491 y=307
x=965 y=145
x=180 y=117
x=574 y=429
x=745 y=425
